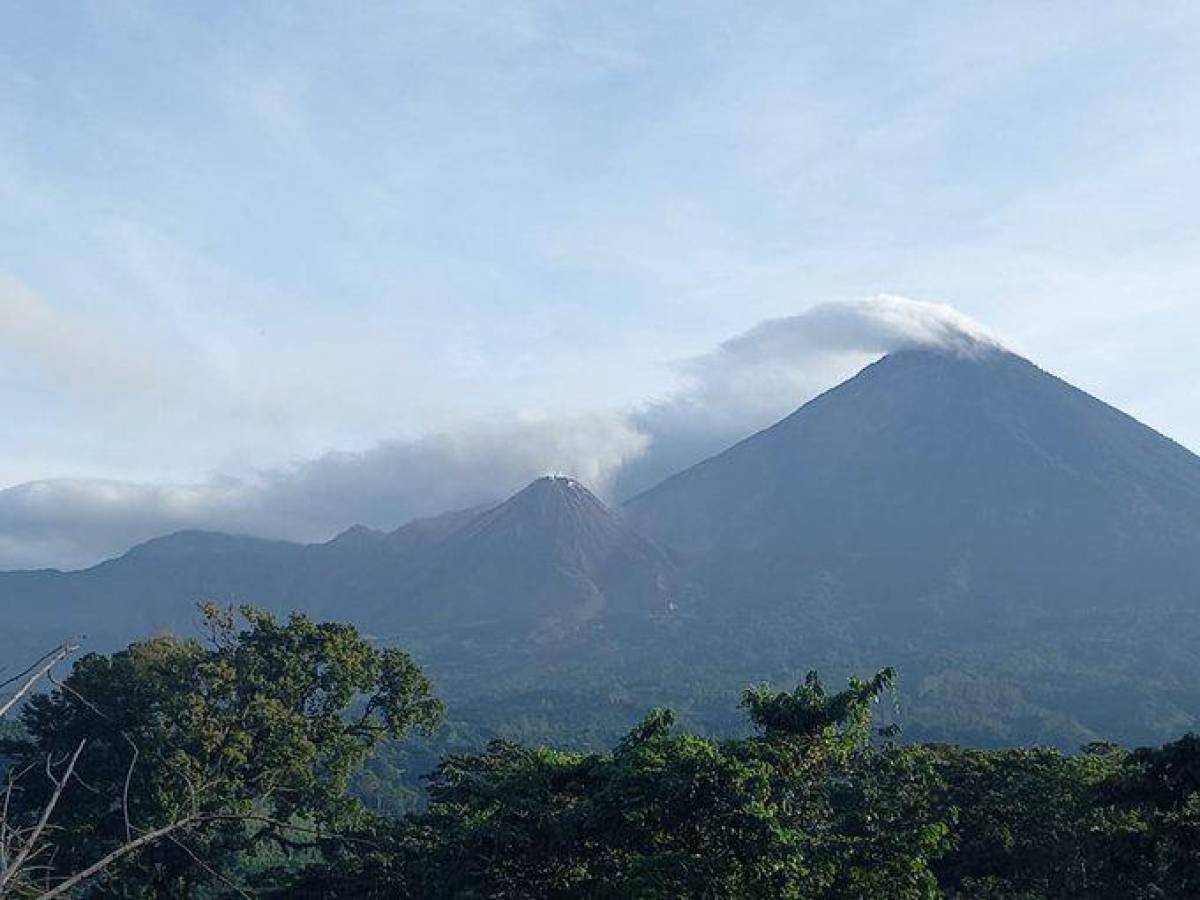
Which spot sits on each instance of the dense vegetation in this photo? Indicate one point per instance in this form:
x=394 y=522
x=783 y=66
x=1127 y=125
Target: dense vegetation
x=174 y=760
x=239 y=754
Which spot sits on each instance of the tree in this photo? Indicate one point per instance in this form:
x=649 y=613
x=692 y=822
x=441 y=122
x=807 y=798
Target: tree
x=840 y=723
x=667 y=815
x=210 y=750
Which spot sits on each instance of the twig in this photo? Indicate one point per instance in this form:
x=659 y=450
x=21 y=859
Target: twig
x=128 y=779
x=31 y=843
x=33 y=665
x=105 y=861
x=224 y=879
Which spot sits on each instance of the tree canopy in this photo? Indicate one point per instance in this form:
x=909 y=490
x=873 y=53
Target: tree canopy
x=179 y=769
x=248 y=740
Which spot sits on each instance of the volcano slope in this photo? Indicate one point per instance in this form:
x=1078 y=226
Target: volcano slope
x=1028 y=555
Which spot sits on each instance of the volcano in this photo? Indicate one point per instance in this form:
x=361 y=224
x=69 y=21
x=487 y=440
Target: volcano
x=963 y=485
x=552 y=554
x=1027 y=555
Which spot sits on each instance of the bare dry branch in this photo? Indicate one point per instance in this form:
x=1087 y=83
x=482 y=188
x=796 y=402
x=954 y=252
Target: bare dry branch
x=29 y=845
x=105 y=861
x=36 y=673
x=219 y=876
x=128 y=779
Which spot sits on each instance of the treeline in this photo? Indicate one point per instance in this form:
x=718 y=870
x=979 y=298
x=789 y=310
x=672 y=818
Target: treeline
x=182 y=769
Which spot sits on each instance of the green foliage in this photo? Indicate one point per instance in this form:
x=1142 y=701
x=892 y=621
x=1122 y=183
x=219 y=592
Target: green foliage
x=1036 y=823
x=807 y=809
x=248 y=741
x=260 y=740
x=842 y=721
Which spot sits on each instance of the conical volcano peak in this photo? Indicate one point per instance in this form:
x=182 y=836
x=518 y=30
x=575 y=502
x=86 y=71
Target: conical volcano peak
x=553 y=499
x=943 y=475
x=957 y=345
x=552 y=552
x=972 y=362
x=556 y=481
x=564 y=488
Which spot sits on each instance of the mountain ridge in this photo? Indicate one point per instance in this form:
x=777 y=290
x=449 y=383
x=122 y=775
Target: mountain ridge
x=1026 y=555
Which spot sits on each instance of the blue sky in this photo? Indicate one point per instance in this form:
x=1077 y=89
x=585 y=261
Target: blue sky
x=244 y=243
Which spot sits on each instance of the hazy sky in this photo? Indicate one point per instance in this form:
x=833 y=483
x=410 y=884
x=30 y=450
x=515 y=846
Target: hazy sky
x=278 y=267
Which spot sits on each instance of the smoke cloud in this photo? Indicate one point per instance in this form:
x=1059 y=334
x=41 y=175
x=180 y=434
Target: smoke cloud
x=744 y=384
x=70 y=523
x=395 y=481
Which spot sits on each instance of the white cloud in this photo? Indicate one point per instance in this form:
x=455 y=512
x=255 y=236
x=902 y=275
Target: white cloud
x=76 y=522
x=881 y=324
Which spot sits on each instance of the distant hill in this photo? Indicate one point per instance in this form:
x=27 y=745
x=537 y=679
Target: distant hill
x=1027 y=556
x=542 y=564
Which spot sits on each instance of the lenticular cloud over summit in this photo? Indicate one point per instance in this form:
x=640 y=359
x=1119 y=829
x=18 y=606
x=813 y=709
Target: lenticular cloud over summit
x=882 y=324
x=797 y=355
x=760 y=375
x=743 y=384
